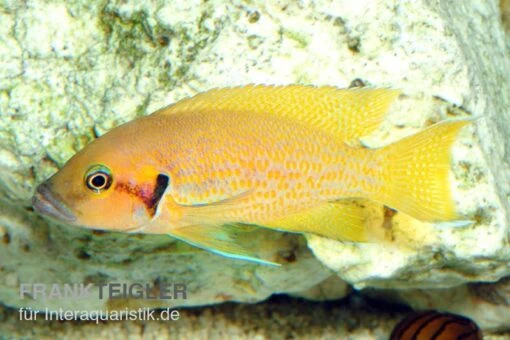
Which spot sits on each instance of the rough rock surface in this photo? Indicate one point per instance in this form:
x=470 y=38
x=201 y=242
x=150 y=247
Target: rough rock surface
x=69 y=71
x=488 y=303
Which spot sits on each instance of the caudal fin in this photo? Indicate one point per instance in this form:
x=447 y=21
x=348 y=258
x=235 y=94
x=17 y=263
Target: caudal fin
x=416 y=173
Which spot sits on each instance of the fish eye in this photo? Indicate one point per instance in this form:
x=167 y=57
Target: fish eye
x=98 y=178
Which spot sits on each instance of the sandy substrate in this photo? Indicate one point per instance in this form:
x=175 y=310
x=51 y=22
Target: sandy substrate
x=278 y=318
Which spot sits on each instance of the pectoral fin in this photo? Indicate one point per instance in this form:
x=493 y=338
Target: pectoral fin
x=222 y=240
x=342 y=221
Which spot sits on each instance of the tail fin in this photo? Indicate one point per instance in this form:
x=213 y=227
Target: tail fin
x=416 y=173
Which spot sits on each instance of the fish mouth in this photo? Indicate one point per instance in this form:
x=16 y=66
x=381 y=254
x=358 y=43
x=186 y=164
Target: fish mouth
x=45 y=203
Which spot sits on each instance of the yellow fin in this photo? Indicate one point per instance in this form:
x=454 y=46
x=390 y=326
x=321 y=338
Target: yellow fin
x=416 y=173
x=221 y=240
x=215 y=212
x=341 y=221
x=347 y=113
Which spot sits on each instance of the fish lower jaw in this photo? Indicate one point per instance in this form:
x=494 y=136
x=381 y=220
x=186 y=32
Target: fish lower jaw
x=46 y=204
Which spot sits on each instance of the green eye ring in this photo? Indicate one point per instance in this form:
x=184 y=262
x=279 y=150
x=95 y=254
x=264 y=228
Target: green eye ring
x=98 y=178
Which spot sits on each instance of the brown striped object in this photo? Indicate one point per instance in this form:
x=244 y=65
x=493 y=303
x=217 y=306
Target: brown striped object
x=436 y=325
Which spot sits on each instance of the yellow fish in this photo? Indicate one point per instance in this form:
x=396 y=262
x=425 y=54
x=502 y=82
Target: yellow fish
x=282 y=157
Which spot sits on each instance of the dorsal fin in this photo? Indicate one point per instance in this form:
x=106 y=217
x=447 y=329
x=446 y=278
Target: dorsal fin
x=347 y=113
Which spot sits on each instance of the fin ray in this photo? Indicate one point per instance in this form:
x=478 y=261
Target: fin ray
x=221 y=240
x=416 y=173
x=341 y=221
x=347 y=113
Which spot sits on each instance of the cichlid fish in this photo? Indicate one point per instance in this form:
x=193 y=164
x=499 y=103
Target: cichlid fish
x=434 y=325
x=282 y=157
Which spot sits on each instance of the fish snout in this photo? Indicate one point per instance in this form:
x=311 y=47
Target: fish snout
x=47 y=203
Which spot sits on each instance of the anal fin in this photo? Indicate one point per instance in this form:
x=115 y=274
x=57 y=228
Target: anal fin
x=219 y=239
x=345 y=220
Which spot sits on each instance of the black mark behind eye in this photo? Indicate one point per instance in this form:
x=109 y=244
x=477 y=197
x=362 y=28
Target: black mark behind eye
x=161 y=185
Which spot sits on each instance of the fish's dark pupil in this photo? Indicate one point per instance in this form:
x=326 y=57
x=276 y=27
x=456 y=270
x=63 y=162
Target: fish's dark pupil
x=99 y=180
